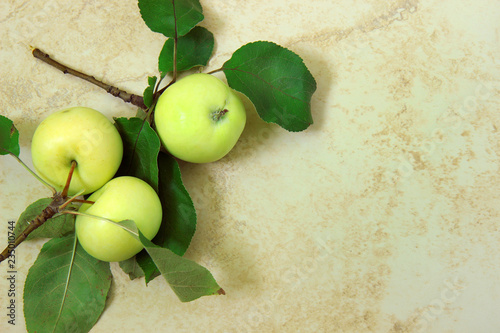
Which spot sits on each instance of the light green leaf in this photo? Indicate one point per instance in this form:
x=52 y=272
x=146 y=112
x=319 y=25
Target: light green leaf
x=193 y=49
x=277 y=82
x=52 y=228
x=9 y=137
x=66 y=289
x=171 y=17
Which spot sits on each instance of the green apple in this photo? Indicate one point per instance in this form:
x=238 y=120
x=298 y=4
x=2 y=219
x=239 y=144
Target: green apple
x=122 y=198
x=77 y=134
x=199 y=118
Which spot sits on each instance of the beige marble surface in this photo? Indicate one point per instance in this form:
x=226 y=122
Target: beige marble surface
x=381 y=217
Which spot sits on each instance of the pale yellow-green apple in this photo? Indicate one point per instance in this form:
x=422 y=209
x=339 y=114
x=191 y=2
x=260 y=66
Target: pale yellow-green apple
x=122 y=198
x=77 y=134
x=199 y=118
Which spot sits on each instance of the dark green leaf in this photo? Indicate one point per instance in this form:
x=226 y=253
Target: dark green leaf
x=141 y=146
x=66 y=289
x=9 y=137
x=179 y=215
x=165 y=16
x=187 y=279
x=193 y=49
x=141 y=264
x=52 y=228
x=277 y=82
x=149 y=91
x=147 y=265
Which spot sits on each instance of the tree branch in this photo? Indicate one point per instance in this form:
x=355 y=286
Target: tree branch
x=59 y=201
x=47 y=213
x=125 y=96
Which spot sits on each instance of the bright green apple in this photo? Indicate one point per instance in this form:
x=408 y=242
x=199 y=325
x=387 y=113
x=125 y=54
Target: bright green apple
x=77 y=134
x=122 y=198
x=199 y=118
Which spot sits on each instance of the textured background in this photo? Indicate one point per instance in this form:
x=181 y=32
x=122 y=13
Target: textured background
x=381 y=217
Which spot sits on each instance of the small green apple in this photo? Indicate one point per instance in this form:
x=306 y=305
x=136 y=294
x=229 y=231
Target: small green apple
x=199 y=118
x=122 y=198
x=77 y=134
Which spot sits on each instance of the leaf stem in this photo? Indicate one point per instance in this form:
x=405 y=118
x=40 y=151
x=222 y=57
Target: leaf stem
x=125 y=96
x=66 y=286
x=159 y=92
x=58 y=203
x=176 y=39
x=70 y=200
x=102 y=219
x=33 y=173
x=174 y=78
x=216 y=70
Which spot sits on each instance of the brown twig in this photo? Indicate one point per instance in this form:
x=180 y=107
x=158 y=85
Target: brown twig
x=49 y=211
x=59 y=202
x=125 y=96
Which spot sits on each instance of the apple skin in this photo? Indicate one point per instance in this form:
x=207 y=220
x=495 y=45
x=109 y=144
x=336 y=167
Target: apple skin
x=190 y=123
x=80 y=134
x=122 y=198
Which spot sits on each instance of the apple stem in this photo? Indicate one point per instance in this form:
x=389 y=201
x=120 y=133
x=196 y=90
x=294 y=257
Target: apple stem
x=219 y=114
x=84 y=201
x=64 y=192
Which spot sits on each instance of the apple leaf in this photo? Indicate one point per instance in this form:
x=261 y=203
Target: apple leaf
x=172 y=18
x=149 y=91
x=187 y=279
x=9 y=137
x=132 y=268
x=54 y=227
x=66 y=289
x=179 y=215
x=277 y=82
x=148 y=267
x=141 y=146
x=193 y=49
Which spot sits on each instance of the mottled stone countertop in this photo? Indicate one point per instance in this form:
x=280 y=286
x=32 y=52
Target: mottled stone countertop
x=383 y=216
